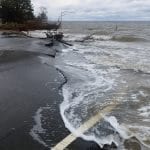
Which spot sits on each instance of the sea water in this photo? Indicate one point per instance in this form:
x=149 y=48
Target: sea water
x=107 y=67
x=108 y=84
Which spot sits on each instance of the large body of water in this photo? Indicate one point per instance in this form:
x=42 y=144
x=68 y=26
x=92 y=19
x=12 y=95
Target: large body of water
x=108 y=67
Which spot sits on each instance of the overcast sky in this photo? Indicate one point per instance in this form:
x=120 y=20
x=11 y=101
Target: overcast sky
x=96 y=9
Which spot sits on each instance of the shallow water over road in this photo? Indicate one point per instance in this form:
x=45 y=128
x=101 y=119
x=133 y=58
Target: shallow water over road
x=107 y=67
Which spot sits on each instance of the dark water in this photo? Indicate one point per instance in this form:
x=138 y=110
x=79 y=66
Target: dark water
x=108 y=67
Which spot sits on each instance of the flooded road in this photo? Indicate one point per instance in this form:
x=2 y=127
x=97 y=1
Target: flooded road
x=106 y=95
x=107 y=67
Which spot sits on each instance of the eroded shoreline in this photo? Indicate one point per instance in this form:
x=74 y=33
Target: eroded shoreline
x=34 y=72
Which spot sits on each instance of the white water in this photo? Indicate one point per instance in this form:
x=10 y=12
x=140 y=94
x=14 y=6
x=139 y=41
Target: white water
x=98 y=72
x=37 y=128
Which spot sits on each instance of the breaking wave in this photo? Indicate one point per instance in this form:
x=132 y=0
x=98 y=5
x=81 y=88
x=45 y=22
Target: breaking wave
x=97 y=37
x=127 y=39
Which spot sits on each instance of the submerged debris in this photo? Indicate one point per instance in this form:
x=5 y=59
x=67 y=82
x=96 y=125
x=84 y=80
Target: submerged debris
x=55 y=36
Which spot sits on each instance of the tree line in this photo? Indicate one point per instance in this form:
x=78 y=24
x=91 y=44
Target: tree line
x=19 y=11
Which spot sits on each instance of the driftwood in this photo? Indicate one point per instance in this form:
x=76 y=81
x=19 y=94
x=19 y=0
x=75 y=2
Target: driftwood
x=56 y=36
x=64 y=42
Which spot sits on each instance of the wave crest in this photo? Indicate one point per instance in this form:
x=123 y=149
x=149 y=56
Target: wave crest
x=127 y=39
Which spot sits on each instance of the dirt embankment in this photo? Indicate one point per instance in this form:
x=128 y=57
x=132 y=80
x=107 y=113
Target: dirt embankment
x=30 y=25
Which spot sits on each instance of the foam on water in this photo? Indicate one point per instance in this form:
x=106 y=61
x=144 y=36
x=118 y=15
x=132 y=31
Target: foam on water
x=98 y=72
x=125 y=57
x=86 y=37
x=37 y=128
x=38 y=34
x=74 y=38
x=145 y=111
x=105 y=68
x=83 y=92
x=119 y=128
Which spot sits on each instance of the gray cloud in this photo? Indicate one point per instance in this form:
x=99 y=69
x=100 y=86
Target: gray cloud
x=97 y=9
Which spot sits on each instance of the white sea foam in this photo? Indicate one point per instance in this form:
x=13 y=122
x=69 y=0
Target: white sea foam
x=38 y=34
x=99 y=69
x=96 y=70
x=142 y=93
x=85 y=86
x=74 y=37
x=142 y=133
x=118 y=127
x=91 y=137
x=37 y=128
x=86 y=37
x=145 y=111
x=102 y=37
